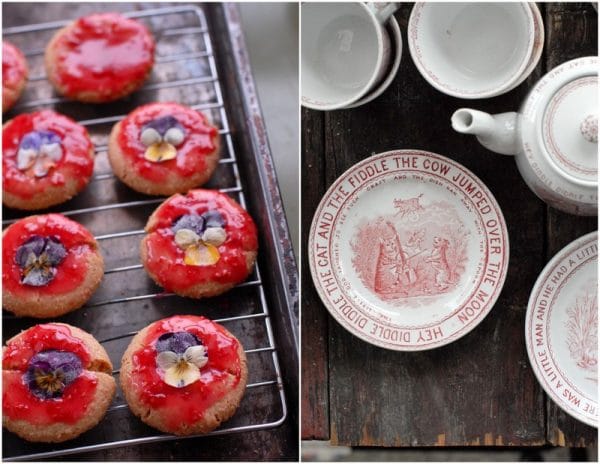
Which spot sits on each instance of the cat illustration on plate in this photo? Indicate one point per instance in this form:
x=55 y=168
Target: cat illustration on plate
x=393 y=272
x=415 y=251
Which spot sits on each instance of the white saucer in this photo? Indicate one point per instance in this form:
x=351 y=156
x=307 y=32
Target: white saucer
x=561 y=329
x=408 y=250
x=396 y=37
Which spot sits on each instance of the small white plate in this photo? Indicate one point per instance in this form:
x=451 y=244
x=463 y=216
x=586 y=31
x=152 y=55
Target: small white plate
x=561 y=329
x=408 y=250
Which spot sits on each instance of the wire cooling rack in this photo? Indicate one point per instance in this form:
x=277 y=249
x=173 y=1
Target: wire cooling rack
x=127 y=300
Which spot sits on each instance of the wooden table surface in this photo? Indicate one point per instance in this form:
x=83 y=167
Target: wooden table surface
x=479 y=390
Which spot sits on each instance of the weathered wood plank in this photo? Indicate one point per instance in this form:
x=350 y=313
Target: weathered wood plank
x=315 y=386
x=571 y=32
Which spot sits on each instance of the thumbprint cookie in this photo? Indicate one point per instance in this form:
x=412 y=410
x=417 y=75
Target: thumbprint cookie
x=51 y=265
x=56 y=383
x=47 y=159
x=164 y=148
x=14 y=75
x=184 y=375
x=199 y=244
x=100 y=58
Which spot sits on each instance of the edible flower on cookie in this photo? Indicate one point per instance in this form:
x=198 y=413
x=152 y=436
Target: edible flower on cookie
x=38 y=259
x=39 y=151
x=50 y=372
x=199 y=236
x=161 y=137
x=180 y=357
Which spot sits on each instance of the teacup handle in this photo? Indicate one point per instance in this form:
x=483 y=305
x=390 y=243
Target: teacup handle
x=382 y=10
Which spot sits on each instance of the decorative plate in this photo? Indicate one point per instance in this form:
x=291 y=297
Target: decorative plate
x=408 y=250
x=561 y=329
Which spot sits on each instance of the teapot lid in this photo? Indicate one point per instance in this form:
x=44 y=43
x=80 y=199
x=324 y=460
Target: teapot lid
x=562 y=114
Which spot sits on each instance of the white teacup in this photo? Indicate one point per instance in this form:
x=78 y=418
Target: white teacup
x=345 y=51
x=538 y=45
x=471 y=50
x=396 y=41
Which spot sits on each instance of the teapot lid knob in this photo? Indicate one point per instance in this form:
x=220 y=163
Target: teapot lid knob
x=589 y=128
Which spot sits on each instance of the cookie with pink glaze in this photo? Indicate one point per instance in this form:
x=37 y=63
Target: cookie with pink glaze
x=14 y=75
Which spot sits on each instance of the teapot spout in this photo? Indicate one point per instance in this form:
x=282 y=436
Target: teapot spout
x=497 y=133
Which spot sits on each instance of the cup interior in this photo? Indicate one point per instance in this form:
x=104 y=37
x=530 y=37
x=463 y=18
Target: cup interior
x=341 y=52
x=471 y=48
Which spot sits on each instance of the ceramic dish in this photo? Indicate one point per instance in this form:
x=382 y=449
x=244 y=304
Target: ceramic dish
x=345 y=52
x=538 y=45
x=408 y=250
x=471 y=50
x=562 y=329
x=396 y=43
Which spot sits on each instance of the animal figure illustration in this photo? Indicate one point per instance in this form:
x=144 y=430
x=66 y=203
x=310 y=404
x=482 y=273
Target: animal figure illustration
x=415 y=239
x=408 y=207
x=439 y=262
x=393 y=273
x=421 y=255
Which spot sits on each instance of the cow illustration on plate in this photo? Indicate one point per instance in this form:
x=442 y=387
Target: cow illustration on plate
x=419 y=249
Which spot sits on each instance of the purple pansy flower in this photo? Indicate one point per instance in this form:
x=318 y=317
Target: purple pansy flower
x=161 y=136
x=50 y=371
x=38 y=258
x=38 y=152
x=199 y=236
x=180 y=357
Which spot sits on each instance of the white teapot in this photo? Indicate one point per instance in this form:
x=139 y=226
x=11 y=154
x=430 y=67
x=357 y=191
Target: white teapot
x=554 y=137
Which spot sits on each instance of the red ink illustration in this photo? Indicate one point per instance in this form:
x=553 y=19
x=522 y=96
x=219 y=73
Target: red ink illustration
x=439 y=262
x=410 y=207
x=417 y=250
x=582 y=333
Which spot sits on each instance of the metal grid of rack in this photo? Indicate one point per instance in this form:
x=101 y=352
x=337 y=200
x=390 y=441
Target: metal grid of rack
x=185 y=71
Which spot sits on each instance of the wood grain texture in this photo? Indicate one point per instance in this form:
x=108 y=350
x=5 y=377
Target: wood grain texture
x=315 y=386
x=571 y=32
x=479 y=390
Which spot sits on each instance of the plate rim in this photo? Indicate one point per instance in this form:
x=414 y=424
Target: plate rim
x=456 y=335
x=543 y=275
